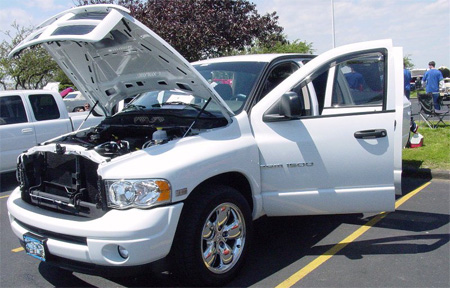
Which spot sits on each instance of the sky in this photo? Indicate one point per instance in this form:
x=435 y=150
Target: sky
x=421 y=27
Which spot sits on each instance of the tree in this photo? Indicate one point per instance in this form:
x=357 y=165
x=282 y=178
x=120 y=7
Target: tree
x=32 y=69
x=64 y=81
x=445 y=71
x=201 y=29
x=407 y=62
x=282 y=47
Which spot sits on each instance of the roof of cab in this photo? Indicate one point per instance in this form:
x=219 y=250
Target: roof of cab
x=267 y=58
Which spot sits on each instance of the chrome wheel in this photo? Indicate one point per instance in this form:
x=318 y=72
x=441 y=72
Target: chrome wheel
x=213 y=236
x=223 y=238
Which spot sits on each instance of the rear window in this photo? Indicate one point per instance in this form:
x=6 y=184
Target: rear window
x=44 y=107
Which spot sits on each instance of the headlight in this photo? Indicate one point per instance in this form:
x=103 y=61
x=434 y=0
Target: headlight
x=123 y=194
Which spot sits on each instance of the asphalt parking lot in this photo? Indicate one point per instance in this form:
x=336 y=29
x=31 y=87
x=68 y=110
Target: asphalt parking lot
x=406 y=248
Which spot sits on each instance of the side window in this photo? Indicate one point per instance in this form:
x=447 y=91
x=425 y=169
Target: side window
x=359 y=81
x=44 y=107
x=353 y=84
x=277 y=75
x=12 y=110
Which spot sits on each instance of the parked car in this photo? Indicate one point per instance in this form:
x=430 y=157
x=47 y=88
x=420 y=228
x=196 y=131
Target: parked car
x=29 y=117
x=75 y=101
x=185 y=168
x=416 y=78
x=445 y=90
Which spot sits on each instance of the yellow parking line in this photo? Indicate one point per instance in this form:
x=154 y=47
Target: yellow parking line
x=4 y=196
x=17 y=249
x=289 y=282
x=405 y=198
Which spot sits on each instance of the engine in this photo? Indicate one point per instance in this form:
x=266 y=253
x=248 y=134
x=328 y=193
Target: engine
x=125 y=133
x=111 y=139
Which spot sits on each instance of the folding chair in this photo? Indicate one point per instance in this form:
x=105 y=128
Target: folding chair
x=427 y=110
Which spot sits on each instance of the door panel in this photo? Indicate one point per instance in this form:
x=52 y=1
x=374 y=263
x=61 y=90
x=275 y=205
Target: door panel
x=16 y=133
x=318 y=166
x=339 y=158
x=49 y=129
x=14 y=139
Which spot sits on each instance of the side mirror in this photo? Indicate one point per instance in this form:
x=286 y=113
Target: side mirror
x=288 y=107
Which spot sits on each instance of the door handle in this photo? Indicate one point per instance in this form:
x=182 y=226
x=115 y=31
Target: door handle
x=27 y=130
x=371 y=134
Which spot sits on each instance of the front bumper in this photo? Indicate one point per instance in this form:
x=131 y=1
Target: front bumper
x=147 y=235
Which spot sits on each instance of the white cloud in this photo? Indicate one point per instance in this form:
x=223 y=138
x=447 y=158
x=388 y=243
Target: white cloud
x=29 y=13
x=45 y=5
x=422 y=27
x=20 y=16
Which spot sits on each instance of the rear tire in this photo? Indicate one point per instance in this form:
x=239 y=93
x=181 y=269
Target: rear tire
x=213 y=236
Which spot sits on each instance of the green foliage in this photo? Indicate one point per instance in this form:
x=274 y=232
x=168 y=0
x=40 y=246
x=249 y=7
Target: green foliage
x=407 y=63
x=33 y=69
x=445 y=72
x=64 y=81
x=435 y=152
x=201 y=29
x=281 y=47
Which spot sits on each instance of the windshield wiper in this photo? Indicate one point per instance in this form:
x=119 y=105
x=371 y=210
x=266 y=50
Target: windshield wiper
x=195 y=106
x=134 y=107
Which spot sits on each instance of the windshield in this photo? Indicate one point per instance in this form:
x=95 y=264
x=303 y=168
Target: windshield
x=234 y=81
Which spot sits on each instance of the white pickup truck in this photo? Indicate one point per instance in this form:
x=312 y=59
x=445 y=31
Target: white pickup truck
x=30 y=117
x=205 y=149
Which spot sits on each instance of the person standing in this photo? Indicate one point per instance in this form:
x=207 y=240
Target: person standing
x=355 y=80
x=432 y=78
x=407 y=81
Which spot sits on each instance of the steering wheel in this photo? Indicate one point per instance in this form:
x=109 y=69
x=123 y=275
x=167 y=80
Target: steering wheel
x=239 y=97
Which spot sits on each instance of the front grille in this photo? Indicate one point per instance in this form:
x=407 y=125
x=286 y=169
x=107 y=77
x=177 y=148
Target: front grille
x=67 y=174
x=63 y=183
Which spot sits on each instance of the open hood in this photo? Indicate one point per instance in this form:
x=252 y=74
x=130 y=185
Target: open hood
x=110 y=56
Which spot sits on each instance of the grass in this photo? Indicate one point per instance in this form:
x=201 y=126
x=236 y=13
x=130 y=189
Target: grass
x=435 y=152
x=413 y=94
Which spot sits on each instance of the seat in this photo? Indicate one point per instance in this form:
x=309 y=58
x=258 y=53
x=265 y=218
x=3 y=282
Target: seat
x=224 y=91
x=427 y=110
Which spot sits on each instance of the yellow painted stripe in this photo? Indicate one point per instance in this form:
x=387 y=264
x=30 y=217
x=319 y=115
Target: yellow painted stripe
x=289 y=282
x=409 y=195
x=17 y=249
x=4 y=196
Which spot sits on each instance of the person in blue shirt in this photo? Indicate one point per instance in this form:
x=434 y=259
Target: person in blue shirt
x=432 y=78
x=355 y=80
x=407 y=81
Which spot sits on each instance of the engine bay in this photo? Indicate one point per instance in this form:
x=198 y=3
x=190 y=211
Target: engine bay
x=127 y=132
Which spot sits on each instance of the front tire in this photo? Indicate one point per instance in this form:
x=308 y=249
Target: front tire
x=213 y=236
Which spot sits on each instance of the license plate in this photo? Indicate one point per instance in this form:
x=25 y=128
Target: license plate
x=35 y=246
